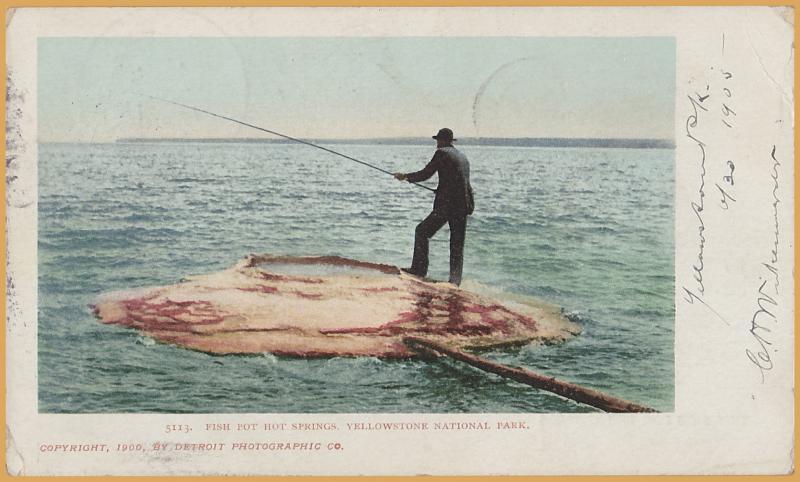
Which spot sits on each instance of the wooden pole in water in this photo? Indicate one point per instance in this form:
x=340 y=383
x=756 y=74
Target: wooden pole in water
x=596 y=399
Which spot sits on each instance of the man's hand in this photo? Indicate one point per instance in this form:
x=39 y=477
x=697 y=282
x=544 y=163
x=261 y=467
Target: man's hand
x=399 y=176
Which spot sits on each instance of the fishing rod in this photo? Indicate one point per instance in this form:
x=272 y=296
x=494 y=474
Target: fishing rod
x=301 y=141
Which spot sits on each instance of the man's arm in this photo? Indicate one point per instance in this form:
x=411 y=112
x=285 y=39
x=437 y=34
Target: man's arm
x=422 y=175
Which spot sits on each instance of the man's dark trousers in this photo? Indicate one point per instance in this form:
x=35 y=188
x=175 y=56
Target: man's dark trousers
x=426 y=229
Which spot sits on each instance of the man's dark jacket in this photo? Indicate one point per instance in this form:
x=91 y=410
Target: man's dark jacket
x=454 y=193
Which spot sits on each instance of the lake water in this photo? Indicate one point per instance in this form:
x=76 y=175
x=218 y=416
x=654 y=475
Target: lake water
x=588 y=229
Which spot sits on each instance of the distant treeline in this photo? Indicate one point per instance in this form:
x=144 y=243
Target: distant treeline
x=472 y=141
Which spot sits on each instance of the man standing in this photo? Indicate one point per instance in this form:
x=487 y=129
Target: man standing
x=452 y=205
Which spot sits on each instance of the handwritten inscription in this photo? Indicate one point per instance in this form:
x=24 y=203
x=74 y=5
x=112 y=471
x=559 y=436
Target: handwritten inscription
x=698 y=204
x=776 y=223
x=712 y=115
x=724 y=191
x=696 y=293
x=726 y=116
x=764 y=317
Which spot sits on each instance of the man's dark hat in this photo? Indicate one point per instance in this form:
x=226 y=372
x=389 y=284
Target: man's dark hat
x=445 y=135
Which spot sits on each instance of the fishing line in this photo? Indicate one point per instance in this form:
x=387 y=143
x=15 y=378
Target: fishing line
x=301 y=141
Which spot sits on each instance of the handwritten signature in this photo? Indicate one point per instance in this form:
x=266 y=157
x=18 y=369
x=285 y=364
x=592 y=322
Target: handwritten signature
x=765 y=314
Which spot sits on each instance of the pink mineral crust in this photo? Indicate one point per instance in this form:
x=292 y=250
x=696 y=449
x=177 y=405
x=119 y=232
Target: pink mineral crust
x=364 y=312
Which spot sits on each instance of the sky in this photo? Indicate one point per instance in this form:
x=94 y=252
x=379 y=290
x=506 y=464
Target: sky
x=91 y=89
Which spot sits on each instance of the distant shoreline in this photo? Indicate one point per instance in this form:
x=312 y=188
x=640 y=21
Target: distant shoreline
x=475 y=141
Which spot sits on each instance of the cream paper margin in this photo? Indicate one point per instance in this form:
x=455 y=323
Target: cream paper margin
x=726 y=421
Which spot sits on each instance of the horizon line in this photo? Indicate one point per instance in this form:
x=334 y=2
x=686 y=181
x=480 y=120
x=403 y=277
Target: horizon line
x=408 y=140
